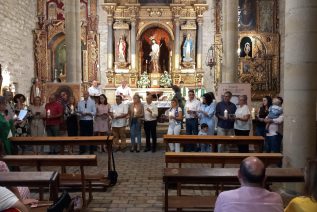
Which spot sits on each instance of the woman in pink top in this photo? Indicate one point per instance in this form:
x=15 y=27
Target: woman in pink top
x=102 y=120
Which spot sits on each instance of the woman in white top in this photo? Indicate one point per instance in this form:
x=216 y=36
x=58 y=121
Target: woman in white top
x=175 y=117
x=242 y=124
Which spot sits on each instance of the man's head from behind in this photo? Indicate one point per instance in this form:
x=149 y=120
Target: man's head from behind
x=251 y=172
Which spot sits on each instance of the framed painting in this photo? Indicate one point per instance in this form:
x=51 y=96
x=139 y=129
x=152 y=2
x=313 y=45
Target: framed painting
x=62 y=89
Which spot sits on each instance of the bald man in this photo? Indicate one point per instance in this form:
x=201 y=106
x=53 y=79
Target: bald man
x=251 y=196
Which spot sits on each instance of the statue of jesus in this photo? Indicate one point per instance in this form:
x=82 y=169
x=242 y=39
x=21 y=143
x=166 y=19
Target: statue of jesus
x=155 y=54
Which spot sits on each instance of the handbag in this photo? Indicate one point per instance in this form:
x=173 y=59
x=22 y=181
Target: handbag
x=113 y=174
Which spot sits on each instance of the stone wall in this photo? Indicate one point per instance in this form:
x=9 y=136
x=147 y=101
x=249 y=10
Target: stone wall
x=17 y=20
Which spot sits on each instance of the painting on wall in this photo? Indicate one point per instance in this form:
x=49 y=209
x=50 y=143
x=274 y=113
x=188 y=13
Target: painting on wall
x=62 y=91
x=247 y=15
x=266 y=16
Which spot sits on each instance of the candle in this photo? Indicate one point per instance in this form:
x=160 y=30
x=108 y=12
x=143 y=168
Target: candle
x=253 y=113
x=170 y=114
x=72 y=108
x=15 y=116
x=48 y=112
x=225 y=114
x=27 y=101
x=134 y=114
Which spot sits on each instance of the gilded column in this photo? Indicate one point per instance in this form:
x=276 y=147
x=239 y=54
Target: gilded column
x=230 y=40
x=73 y=41
x=300 y=71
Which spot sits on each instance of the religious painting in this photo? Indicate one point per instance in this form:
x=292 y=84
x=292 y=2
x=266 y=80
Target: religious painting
x=155 y=50
x=55 y=9
x=247 y=15
x=155 y=1
x=266 y=13
x=62 y=91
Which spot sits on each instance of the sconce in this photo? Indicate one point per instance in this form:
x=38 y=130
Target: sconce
x=210 y=58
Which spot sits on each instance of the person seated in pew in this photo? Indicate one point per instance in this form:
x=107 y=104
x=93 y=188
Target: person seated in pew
x=251 y=196
x=309 y=201
x=9 y=200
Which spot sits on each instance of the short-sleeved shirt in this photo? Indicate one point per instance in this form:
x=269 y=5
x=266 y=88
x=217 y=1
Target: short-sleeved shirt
x=55 y=108
x=240 y=112
x=220 y=108
x=7 y=199
x=118 y=110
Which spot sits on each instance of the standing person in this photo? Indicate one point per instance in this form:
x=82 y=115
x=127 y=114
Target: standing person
x=192 y=107
x=8 y=95
x=70 y=115
x=37 y=121
x=200 y=90
x=86 y=111
x=102 y=120
x=54 y=112
x=22 y=127
x=119 y=113
x=251 y=196
x=308 y=202
x=183 y=90
x=273 y=141
x=242 y=124
x=124 y=91
x=150 y=122
x=204 y=131
x=225 y=122
x=155 y=56
x=262 y=113
x=136 y=114
x=5 y=127
x=207 y=112
x=94 y=89
x=175 y=117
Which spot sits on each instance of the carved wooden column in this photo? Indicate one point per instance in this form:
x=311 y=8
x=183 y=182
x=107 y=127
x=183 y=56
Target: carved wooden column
x=73 y=41
x=230 y=40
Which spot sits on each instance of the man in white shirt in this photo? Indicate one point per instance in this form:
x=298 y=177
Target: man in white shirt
x=9 y=200
x=251 y=196
x=94 y=89
x=150 y=122
x=124 y=91
x=192 y=107
x=119 y=113
x=86 y=111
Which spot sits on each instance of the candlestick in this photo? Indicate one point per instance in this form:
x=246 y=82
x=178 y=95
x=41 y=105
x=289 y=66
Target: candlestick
x=253 y=113
x=225 y=114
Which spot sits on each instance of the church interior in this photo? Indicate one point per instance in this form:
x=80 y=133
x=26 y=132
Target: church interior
x=255 y=48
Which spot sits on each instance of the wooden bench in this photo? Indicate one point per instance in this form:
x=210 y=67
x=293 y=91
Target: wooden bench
x=67 y=141
x=56 y=160
x=222 y=158
x=32 y=179
x=181 y=176
x=214 y=140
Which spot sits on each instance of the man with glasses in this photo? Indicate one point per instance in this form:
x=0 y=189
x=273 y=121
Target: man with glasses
x=224 y=112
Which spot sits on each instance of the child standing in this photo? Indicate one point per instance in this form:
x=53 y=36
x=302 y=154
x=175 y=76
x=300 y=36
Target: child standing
x=204 y=131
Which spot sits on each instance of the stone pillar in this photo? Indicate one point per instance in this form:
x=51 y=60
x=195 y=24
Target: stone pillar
x=110 y=44
x=73 y=41
x=133 y=42
x=176 y=44
x=199 y=44
x=300 y=67
x=230 y=40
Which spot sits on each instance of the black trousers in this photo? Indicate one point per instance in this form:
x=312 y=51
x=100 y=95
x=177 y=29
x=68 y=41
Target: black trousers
x=150 y=131
x=244 y=148
x=86 y=129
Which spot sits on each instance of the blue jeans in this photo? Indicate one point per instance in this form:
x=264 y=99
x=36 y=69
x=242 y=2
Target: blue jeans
x=260 y=131
x=135 y=131
x=191 y=129
x=53 y=130
x=273 y=143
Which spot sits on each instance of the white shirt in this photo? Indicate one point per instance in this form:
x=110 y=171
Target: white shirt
x=275 y=126
x=126 y=91
x=172 y=112
x=193 y=105
x=147 y=115
x=119 y=110
x=240 y=113
x=94 y=91
x=7 y=199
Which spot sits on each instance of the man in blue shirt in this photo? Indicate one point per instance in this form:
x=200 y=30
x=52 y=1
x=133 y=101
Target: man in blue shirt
x=86 y=111
x=224 y=112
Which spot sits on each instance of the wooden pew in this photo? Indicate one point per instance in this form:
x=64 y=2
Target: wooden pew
x=214 y=176
x=56 y=160
x=67 y=141
x=32 y=179
x=222 y=158
x=212 y=139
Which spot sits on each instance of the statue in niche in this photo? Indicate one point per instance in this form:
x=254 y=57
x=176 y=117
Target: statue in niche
x=122 y=49
x=187 y=49
x=247 y=49
x=155 y=54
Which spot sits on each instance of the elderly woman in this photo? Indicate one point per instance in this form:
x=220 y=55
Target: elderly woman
x=242 y=124
x=136 y=113
x=175 y=117
x=308 y=202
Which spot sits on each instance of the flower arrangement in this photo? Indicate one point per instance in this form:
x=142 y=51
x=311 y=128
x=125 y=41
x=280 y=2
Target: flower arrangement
x=144 y=81
x=165 y=80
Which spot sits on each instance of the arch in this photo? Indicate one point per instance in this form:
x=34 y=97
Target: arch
x=155 y=24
